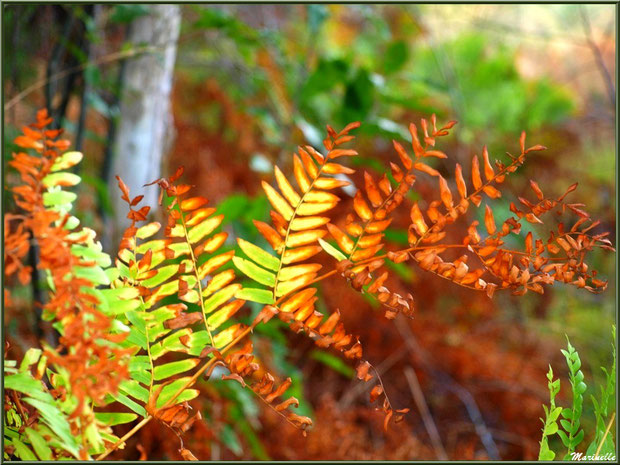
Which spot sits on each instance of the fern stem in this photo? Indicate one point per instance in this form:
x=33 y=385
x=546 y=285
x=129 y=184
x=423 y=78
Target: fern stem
x=611 y=420
x=189 y=383
x=288 y=229
x=146 y=327
x=194 y=267
x=131 y=432
x=383 y=204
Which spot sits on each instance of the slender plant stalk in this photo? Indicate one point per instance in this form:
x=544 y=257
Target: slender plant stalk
x=611 y=420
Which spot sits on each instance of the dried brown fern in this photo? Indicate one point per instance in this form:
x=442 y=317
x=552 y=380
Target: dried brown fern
x=542 y=262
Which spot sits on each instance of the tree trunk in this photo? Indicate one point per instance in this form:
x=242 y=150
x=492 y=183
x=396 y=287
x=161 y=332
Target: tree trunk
x=145 y=119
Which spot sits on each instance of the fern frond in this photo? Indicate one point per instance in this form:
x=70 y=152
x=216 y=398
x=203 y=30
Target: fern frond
x=149 y=273
x=93 y=362
x=243 y=366
x=504 y=268
x=362 y=238
x=296 y=236
x=298 y=219
x=190 y=229
x=501 y=267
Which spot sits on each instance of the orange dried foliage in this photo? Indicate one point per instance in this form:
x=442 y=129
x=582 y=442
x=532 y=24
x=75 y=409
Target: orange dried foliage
x=560 y=257
x=296 y=233
x=95 y=369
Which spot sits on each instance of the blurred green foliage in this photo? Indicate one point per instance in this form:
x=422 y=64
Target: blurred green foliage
x=380 y=77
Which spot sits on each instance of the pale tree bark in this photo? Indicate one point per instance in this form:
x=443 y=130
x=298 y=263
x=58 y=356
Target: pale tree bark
x=145 y=122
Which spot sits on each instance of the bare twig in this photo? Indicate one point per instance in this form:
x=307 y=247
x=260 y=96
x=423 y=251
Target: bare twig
x=360 y=387
x=598 y=56
x=429 y=423
x=450 y=384
x=103 y=60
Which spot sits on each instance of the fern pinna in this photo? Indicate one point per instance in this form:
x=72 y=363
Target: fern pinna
x=138 y=336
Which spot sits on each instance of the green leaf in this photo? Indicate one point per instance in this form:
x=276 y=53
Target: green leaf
x=262 y=296
x=555 y=413
x=94 y=274
x=115 y=418
x=161 y=315
x=134 y=389
x=57 y=422
x=25 y=384
x=330 y=249
x=143 y=377
x=171 y=389
x=286 y=287
x=395 y=56
x=131 y=404
x=93 y=437
x=22 y=451
x=163 y=274
x=170 y=369
x=566 y=425
x=220 y=297
x=61 y=179
x=224 y=337
x=581 y=387
x=31 y=356
x=206 y=227
x=197 y=341
x=259 y=255
x=579 y=376
x=255 y=272
x=550 y=374
x=39 y=444
x=121 y=307
x=333 y=362
x=136 y=338
x=551 y=428
x=564 y=438
x=113 y=273
x=229 y=439
x=92 y=253
x=218 y=318
x=169 y=343
x=67 y=160
x=148 y=230
x=56 y=198
x=546 y=453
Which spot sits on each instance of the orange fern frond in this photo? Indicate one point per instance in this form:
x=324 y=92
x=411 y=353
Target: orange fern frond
x=362 y=237
x=243 y=367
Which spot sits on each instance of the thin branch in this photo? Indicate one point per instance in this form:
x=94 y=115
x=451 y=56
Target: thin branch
x=598 y=56
x=450 y=384
x=429 y=423
x=611 y=420
x=360 y=387
x=103 y=60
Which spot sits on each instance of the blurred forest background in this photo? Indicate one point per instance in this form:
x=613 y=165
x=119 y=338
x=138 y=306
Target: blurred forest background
x=246 y=84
